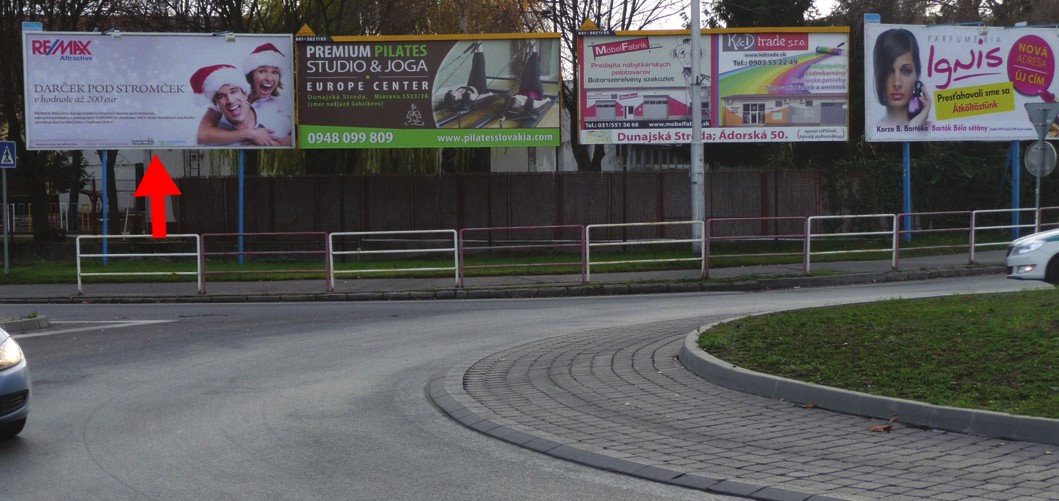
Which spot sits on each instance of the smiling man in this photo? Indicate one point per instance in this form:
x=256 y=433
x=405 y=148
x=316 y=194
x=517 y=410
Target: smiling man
x=224 y=89
x=236 y=112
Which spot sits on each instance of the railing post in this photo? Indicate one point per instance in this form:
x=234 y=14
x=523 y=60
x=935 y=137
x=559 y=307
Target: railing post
x=460 y=260
x=455 y=257
x=78 y=252
x=894 y=244
x=706 y=248
x=584 y=254
x=202 y=263
x=702 y=248
x=328 y=263
x=331 y=259
x=588 y=253
x=970 y=252
x=807 y=246
x=199 y=260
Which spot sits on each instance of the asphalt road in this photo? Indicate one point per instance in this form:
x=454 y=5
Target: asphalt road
x=319 y=400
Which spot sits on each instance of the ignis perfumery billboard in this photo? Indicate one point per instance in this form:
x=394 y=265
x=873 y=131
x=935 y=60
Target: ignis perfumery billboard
x=956 y=83
x=758 y=85
x=153 y=90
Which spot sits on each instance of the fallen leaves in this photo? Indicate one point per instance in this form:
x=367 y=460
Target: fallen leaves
x=881 y=428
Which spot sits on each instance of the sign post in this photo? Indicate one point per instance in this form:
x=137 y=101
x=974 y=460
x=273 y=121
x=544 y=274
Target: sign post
x=7 y=161
x=1040 y=158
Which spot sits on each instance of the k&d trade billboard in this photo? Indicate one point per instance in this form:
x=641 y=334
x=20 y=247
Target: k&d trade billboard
x=428 y=91
x=956 y=83
x=763 y=85
x=150 y=90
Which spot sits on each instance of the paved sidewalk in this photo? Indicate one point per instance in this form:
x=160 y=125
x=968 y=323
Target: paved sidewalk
x=619 y=399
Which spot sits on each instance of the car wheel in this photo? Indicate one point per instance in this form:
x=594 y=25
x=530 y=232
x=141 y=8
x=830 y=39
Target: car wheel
x=1051 y=274
x=13 y=428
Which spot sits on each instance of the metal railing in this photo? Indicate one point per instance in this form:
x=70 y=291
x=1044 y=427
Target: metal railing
x=741 y=223
x=644 y=241
x=973 y=244
x=241 y=253
x=861 y=233
x=889 y=232
x=491 y=246
x=153 y=255
x=405 y=250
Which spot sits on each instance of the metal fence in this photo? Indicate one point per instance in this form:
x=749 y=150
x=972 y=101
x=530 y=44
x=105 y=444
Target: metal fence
x=860 y=233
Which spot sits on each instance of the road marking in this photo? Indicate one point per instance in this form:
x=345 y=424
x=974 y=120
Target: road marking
x=98 y=325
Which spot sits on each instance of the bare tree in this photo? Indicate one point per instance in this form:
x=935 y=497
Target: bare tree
x=37 y=168
x=567 y=17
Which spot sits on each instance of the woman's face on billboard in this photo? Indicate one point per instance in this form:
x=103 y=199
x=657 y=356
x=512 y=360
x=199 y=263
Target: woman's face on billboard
x=901 y=81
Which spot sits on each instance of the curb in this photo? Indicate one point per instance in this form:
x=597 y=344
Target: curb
x=967 y=421
x=536 y=291
x=25 y=324
x=452 y=404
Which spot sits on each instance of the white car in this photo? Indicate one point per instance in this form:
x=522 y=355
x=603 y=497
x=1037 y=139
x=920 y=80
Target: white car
x=14 y=387
x=1035 y=257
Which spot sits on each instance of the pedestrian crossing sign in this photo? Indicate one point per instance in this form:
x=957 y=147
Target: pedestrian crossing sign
x=7 y=154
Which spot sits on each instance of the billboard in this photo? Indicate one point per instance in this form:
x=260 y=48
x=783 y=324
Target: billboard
x=151 y=90
x=758 y=85
x=956 y=83
x=428 y=91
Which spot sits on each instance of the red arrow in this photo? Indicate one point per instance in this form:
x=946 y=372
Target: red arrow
x=157 y=184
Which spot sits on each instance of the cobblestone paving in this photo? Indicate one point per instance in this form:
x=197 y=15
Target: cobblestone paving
x=620 y=394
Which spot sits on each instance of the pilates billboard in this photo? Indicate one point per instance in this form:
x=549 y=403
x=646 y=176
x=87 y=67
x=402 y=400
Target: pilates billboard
x=428 y=91
x=758 y=85
x=956 y=83
x=157 y=90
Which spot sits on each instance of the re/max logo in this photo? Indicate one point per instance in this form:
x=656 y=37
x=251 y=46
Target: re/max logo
x=60 y=47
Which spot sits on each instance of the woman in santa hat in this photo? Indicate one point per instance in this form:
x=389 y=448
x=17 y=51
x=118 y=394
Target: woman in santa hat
x=264 y=72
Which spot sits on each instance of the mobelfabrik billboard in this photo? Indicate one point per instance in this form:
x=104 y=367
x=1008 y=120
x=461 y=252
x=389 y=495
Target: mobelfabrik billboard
x=153 y=90
x=757 y=85
x=956 y=83
x=428 y=91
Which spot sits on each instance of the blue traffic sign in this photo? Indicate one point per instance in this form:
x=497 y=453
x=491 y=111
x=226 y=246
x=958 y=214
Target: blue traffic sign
x=7 y=154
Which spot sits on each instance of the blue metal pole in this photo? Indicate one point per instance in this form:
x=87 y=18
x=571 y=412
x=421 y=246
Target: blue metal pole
x=1016 y=185
x=106 y=206
x=906 y=172
x=241 y=160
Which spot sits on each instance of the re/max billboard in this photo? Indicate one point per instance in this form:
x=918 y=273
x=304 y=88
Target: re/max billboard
x=154 y=90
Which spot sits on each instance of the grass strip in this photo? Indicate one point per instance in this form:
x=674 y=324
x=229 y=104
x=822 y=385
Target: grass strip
x=998 y=352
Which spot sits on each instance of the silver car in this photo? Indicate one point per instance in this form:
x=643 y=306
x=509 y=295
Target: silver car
x=1034 y=257
x=14 y=387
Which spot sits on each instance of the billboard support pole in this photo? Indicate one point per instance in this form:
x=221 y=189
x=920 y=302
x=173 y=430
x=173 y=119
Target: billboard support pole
x=1016 y=183
x=241 y=172
x=906 y=173
x=697 y=167
x=106 y=208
